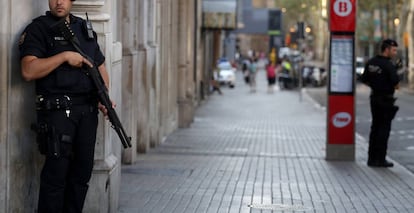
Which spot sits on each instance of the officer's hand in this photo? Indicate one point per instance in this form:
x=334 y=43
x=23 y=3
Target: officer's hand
x=76 y=60
x=103 y=109
x=397 y=87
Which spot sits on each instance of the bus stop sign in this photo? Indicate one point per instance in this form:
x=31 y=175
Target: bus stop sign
x=342 y=14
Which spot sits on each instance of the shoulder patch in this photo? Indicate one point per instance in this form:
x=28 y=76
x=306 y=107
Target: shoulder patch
x=22 y=37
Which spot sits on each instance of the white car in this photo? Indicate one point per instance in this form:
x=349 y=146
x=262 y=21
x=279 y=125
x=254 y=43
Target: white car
x=284 y=52
x=226 y=74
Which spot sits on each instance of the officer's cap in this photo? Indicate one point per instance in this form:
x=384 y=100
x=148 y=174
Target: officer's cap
x=390 y=42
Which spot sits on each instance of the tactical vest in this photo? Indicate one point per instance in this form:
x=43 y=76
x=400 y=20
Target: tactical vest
x=65 y=79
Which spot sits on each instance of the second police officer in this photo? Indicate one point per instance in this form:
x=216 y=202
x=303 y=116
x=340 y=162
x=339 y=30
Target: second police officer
x=381 y=76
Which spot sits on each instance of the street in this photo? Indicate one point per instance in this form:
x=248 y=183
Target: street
x=400 y=146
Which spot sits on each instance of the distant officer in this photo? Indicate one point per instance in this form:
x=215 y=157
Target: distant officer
x=381 y=76
x=67 y=105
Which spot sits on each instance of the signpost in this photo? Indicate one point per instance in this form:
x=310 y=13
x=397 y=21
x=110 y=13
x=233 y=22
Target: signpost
x=341 y=87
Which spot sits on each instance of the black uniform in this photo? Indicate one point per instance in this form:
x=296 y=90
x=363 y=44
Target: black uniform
x=66 y=113
x=381 y=75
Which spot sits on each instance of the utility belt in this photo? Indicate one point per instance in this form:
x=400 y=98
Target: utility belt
x=63 y=102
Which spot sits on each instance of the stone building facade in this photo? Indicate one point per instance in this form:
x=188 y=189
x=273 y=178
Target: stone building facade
x=158 y=58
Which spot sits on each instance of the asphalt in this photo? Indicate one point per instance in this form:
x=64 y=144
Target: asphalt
x=259 y=152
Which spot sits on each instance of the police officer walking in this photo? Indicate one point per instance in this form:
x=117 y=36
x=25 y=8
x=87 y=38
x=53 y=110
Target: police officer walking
x=67 y=105
x=381 y=76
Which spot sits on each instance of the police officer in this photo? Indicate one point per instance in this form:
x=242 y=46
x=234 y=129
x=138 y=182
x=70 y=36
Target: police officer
x=67 y=106
x=381 y=76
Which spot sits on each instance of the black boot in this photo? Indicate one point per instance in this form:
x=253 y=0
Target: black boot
x=378 y=159
x=380 y=164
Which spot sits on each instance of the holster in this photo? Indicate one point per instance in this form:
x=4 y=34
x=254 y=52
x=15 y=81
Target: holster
x=394 y=111
x=42 y=137
x=50 y=142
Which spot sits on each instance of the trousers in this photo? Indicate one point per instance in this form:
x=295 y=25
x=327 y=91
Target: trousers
x=383 y=112
x=64 y=179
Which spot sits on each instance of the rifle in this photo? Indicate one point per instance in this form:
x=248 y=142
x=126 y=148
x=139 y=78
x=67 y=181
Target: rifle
x=93 y=72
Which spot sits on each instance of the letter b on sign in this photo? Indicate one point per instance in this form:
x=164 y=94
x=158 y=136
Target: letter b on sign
x=342 y=15
x=343 y=7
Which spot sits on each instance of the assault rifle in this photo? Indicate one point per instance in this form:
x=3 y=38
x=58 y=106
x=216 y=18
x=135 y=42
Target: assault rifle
x=93 y=72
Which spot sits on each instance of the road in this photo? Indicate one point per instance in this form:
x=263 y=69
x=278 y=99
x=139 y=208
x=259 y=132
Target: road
x=401 y=141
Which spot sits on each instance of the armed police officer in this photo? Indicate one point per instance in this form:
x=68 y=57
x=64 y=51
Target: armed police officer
x=381 y=76
x=67 y=105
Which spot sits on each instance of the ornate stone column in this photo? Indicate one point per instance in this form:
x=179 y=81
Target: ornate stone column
x=173 y=66
x=164 y=65
x=128 y=25
x=4 y=90
x=142 y=78
x=185 y=95
x=104 y=185
x=153 y=72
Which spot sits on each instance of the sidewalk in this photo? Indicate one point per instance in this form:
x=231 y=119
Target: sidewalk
x=258 y=152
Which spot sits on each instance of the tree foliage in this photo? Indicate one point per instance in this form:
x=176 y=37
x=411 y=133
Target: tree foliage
x=299 y=10
x=389 y=11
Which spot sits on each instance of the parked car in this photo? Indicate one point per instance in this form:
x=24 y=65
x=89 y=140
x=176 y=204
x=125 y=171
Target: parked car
x=319 y=75
x=359 y=67
x=226 y=74
x=313 y=73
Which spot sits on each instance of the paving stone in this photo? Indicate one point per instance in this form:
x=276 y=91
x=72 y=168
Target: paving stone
x=259 y=152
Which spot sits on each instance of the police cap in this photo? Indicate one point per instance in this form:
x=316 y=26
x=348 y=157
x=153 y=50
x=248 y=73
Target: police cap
x=390 y=42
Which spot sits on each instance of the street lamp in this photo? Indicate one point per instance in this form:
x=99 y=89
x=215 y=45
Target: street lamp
x=396 y=25
x=396 y=22
x=324 y=11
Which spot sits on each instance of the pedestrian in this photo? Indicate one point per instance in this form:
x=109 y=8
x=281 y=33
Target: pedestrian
x=271 y=76
x=286 y=73
x=215 y=86
x=381 y=76
x=67 y=105
x=245 y=70
x=252 y=74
